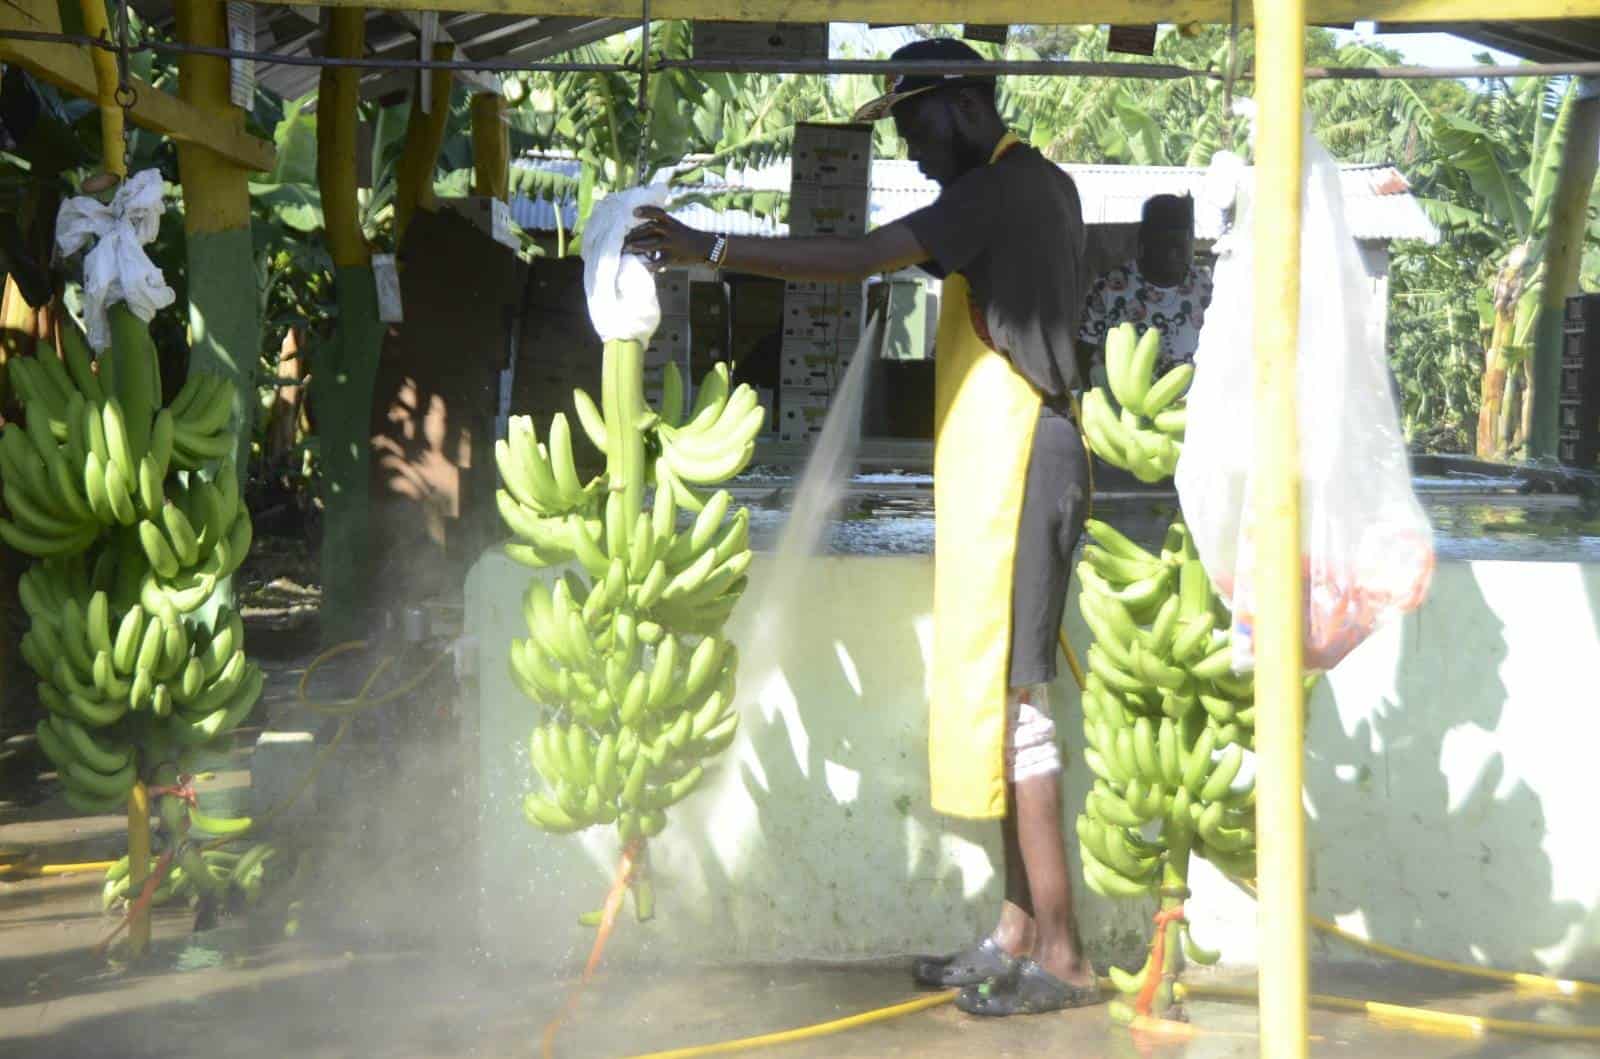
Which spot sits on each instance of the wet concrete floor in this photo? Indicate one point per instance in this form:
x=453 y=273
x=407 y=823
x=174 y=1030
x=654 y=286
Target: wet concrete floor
x=381 y=963
x=230 y=992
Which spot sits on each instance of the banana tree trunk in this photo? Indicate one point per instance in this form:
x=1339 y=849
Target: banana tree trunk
x=1524 y=441
x=1497 y=358
x=1494 y=389
x=1511 y=405
x=1563 y=261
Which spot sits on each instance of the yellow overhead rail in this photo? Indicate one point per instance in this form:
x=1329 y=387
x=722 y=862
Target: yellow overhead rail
x=71 y=68
x=1063 y=12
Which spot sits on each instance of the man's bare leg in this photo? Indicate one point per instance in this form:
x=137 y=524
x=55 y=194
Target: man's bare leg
x=1057 y=946
x=1015 y=931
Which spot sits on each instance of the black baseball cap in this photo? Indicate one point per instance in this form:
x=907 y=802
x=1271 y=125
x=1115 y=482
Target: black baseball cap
x=904 y=86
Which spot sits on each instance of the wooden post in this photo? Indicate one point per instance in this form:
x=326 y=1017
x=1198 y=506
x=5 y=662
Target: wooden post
x=1569 y=225
x=346 y=366
x=491 y=147
x=224 y=316
x=1280 y=722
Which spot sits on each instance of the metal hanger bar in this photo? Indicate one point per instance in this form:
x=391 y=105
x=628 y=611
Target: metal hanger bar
x=1041 y=68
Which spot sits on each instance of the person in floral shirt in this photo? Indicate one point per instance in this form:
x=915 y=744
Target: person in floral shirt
x=1162 y=288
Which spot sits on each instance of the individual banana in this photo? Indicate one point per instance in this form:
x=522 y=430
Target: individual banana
x=1169 y=388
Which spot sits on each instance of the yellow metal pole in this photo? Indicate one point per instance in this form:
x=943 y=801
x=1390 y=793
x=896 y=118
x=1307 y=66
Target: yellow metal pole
x=419 y=156
x=95 y=24
x=138 y=865
x=338 y=97
x=1280 y=721
x=491 y=146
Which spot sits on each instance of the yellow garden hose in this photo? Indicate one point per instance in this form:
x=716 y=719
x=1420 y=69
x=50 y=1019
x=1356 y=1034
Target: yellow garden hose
x=806 y=1033
x=344 y=709
x=1399 y=1016
x=1525 y=982
x=27 y=871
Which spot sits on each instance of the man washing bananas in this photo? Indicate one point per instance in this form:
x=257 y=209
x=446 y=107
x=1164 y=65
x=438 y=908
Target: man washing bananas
x=1010 y=490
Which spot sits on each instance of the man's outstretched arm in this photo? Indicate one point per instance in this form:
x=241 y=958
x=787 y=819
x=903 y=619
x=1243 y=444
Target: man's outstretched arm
x=825 y=259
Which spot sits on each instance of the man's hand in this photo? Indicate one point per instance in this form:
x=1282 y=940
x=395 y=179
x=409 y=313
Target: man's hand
x=663 y=241
x=824 y=258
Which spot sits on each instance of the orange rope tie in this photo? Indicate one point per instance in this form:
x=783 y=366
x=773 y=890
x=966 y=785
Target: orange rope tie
x=184 y=791
x=608 y=918
x=1158 y=959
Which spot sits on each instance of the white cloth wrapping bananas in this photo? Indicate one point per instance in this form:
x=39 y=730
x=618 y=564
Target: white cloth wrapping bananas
x=1031 y=747
x=116 y=268
x=619 y=287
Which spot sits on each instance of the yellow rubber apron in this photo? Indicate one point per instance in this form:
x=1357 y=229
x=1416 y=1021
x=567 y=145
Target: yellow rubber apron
x=984 y=417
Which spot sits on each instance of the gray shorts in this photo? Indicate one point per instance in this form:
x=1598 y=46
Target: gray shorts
x=1054 y=505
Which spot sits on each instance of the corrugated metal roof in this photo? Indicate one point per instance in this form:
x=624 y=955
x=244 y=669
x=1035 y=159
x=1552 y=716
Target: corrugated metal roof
x=1378 y=200
x=296 y=30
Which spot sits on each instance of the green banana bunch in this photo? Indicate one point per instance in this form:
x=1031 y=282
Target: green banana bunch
x=96 y=452
x=1146 y=437
x=627 y=658
x=115 y=677
x=716 y=440
x=1166 y=727
x=1167 y=723
x=225 y=869
x=126 y=552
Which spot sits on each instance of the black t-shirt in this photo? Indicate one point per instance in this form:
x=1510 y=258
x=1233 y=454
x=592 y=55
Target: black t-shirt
x=1014 y=229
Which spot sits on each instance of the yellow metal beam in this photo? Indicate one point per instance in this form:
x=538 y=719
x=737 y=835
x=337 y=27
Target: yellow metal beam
x=1275 y=512
x=1065 y=12
x=70 y=68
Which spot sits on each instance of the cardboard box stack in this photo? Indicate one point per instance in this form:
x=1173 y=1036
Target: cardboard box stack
x=830 y=193
x=671 y=340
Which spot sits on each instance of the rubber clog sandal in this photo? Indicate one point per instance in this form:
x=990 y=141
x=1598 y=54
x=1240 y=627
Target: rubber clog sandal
x=1028 y=990
x=969 y=967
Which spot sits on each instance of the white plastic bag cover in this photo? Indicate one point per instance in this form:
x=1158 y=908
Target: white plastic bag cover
x=1366 y=545
x=117 y=268
x=620 y=287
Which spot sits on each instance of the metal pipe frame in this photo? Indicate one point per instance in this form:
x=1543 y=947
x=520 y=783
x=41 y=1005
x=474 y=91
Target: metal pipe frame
x=1039 y=68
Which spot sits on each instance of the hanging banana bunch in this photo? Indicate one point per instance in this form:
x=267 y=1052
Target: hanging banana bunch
x=103 y=487
x=1167 y=723
x=1146 y=437
x=244 y=870
x=627 y=659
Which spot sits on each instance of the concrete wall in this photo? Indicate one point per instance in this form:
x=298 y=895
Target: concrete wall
x=1448 y=778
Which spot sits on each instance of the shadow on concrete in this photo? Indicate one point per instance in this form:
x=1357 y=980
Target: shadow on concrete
x=1421 y=835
